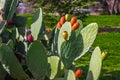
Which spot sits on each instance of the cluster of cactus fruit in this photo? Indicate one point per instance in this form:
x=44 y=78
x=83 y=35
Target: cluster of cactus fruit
x=36 y=55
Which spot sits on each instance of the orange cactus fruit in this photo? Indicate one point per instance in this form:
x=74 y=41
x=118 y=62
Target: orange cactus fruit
x=59 y=25
x=65 y=35
x=75 y=26
x=73 y=20
x=78 y=73
x=62 y=20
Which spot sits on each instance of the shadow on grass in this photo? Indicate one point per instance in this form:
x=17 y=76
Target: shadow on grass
x=113 y=75
x=109 y=29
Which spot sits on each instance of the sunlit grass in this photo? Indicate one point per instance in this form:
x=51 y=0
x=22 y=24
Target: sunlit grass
x=111 y=65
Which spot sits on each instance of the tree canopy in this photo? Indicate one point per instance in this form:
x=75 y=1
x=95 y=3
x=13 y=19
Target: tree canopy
x=61 y=6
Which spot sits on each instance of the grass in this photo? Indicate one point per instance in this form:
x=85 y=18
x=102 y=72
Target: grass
x=50 y=21
x=104 y=20
x=111 y=65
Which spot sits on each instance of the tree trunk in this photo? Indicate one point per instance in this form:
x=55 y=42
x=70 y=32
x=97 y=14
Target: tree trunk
x=113 y=6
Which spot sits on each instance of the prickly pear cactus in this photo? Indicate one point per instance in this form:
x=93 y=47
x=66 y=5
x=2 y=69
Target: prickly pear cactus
x=95 y=65
x=35 y=55
x=69 y=75
x=11 y=64
x=37 y=60
x=2 y=72
x=36 y=27
x=54 y=64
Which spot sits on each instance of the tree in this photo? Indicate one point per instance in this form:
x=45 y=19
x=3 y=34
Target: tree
x=113 y=6
x=61 y=6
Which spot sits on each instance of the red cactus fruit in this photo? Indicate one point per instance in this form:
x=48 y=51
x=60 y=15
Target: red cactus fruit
x=9 y=22
x=62 y=20
x=75 y=26
x=73 y=20
x=30 y=38
x=78 y=73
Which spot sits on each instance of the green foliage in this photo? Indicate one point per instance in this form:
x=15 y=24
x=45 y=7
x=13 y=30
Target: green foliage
x=37 y=60
x=11 y=64
x=63 y=6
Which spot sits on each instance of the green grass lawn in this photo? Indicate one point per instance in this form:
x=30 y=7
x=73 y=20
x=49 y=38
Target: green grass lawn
x=49 y=20
x=111 y=65
x=104 y=20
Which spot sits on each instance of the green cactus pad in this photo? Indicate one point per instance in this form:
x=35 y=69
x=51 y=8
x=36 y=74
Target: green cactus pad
x=65 y=27
x=54 y=47
x=88 y=34
x=69 y=75
x=0 y=40
x=37 y=60
x=53 y=61
x=70 y=49
x=11 y=64
x=58 y=79
x=20 y=23
x=37 y=24
x=95 y=65
x=2 y=72
x=11 y=8
x=10 y=44
x=2 y=26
